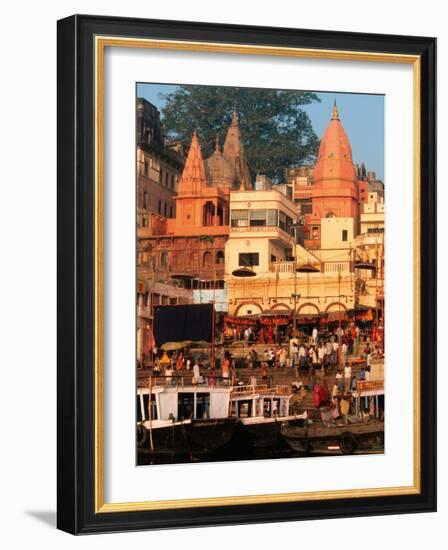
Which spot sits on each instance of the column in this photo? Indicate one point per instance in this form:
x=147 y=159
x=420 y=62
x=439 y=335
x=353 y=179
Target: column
x=139 y=343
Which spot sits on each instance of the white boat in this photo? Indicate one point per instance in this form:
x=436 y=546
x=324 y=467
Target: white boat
x=189 y=420
x=183 y=419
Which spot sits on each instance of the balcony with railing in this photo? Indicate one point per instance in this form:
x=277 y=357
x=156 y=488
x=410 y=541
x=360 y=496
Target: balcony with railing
x=289 y=267
x=369 y=239
x=255 y=390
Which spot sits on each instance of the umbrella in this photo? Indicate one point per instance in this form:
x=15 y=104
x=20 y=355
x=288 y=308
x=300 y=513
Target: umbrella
x=243 y=272
x=307 y=268
x=173 y=346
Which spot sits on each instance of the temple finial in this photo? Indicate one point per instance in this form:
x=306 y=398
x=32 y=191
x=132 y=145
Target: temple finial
x=335 y=114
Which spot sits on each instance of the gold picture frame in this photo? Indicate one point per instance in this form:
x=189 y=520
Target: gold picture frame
x=95 y=35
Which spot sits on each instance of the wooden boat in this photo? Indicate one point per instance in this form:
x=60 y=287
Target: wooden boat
x=261 y=411
x=337 y=438
x=179 y=422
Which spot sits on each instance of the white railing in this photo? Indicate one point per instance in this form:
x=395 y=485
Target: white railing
x=282 y=267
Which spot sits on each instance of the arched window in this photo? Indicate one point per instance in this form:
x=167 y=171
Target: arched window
x=220 y=257
x=220 y=216
x=208 y=214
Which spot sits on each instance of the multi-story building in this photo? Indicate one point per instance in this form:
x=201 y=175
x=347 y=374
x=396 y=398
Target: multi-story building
x=158 y=166
x=316 y=274
x=300 y=180
x=262 y=238
x=261 y=232
x=186 y=251
x=370 y=254
x=306 y=242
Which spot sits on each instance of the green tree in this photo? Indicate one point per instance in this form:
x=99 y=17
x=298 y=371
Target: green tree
x=276 y=131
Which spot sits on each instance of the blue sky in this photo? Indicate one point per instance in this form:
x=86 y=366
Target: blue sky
x=362 y=116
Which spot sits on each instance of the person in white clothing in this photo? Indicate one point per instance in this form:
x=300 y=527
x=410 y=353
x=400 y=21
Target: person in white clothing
x=347 y=377
x=196 y=373
x=344 y=349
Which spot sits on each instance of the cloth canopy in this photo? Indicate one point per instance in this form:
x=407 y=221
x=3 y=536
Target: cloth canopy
x=179 y=323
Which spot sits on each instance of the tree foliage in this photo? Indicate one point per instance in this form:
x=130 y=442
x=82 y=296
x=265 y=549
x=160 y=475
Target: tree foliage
x=275 y=129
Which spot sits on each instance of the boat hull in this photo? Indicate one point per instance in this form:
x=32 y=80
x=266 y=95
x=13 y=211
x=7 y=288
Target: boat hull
x=338 y=439
x=184 y=441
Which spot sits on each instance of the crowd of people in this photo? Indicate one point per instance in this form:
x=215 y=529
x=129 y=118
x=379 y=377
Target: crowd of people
x=319 y=353
x=322 y=363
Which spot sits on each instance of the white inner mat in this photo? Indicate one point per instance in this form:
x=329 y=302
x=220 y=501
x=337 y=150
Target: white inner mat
x=124 y=482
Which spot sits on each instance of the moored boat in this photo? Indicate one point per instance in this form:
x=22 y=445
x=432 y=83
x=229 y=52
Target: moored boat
x=178 y=420
x=338 y=438
x=262 y=410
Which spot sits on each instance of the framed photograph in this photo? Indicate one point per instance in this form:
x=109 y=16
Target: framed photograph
x=246 y=274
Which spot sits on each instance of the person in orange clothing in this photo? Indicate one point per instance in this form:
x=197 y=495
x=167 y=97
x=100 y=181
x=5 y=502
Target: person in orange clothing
x=180 y=361
x=226 y=367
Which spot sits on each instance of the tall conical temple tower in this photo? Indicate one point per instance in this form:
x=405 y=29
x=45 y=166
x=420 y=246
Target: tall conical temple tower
x=205 y=185
x=234 y=152
x=190 y=246
x=202 y=202
x=193 y=176
x=335 y=184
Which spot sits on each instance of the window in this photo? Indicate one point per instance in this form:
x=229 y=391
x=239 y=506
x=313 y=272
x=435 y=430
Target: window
x=285 y=222
x=239 y=218
x=165 y=209
x=160 y=207
x=139 y=409
x=146 y=407
x=344 y=234
x=306 y=208
x=148 y=135
x=257 y=218
x=220 y=257
x=145 y=200
x=375 y=230
x=315 y=232
x=272 y=218
x=171 y=211
x=146 y=167
x=161 y=176
x=249 y=259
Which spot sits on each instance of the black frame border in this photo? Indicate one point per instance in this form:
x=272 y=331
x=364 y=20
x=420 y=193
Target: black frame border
x=76 y=268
